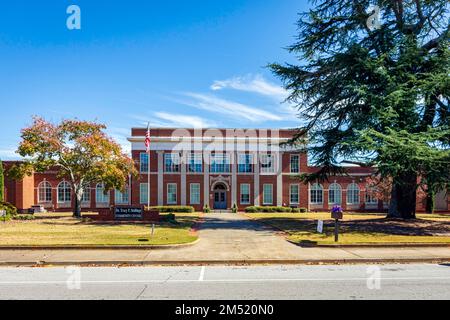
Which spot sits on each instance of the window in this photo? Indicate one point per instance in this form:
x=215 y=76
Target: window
x=353 y=194
x=195 y=193
x=294 y=193
x=195 y=163
x=371 y=196
x=335 y=194
x=122 y=196
x=172 y=193
x=144 y=162
x=245 y=163
x=245 y=194
x=295 y=167
x=220 y=163
x=268 y=194
x=267 y=163
x=64 y=192
x=143 y=193
x=316 y=194
x=172 y=162
x=45 y=192
x=86 y=197
x=100 y=195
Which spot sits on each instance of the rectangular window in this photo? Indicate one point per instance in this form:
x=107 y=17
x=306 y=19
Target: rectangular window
x=172 y=193
x=122 y=196
x=172 y=162
x=294 y=194
x=195 y=162
x=220 y=163
x=100 y=195
x=245 y=163
x=86 y=198
x=295 y=166
x=371 y=196
x=245 y=194
x=268 y=194
x=195 y=193
x=143 y=193
x=144 y=163
x=267 y=163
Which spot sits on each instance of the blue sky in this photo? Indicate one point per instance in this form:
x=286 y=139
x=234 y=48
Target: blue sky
x=178 y=63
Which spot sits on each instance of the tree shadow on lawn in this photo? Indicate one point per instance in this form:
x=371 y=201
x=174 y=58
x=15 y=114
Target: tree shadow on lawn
x=385 y=226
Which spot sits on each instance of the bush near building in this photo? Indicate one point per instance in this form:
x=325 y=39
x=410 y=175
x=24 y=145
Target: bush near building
x=172 y=209
x=257 y=209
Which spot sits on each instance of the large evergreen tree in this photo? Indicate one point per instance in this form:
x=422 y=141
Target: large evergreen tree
x=376 y=94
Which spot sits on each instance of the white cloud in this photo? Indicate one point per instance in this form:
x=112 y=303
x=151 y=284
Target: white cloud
x=236 y=110
x=8 y=154
x=255 y=84
x=175 y=120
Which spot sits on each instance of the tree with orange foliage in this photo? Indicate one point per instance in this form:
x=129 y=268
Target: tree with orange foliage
x=82 y=152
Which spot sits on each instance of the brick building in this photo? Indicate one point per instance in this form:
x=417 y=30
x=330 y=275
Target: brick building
x=217 y=167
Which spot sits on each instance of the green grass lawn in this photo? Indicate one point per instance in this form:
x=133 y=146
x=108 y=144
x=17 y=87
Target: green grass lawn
x=57 y=229
x=359 y=228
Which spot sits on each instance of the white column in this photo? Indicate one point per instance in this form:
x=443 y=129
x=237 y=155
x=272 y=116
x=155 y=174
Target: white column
x=160 y=178
x=206 y=192
x=183 y=192
x=233 y=179
x=256 y=185
x=279 y=179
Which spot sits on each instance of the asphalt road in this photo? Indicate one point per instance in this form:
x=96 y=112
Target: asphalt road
x=230 y=283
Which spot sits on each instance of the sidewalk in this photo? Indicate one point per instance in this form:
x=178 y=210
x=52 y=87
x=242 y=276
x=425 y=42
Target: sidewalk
x=228 y=239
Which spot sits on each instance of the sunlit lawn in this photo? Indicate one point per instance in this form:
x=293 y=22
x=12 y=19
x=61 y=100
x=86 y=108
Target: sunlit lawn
x=58 y=229
x=359 y=228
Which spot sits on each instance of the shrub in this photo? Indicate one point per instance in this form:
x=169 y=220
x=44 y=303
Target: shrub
x=24 y=217
x=235 y=208
x=299 y=210
x=172 y=209
x=206 y=209
x=256 y=209
x=11 y=211
x=169 y=218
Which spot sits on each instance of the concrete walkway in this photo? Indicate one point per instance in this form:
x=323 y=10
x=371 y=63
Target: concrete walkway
x=228 y=238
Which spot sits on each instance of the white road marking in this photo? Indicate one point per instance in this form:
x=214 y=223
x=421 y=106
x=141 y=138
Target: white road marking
x=202 y=274
x=217 y=281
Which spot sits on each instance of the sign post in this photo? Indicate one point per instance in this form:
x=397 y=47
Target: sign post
x=337 y=214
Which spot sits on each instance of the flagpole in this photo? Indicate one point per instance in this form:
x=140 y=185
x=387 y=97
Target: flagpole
x=148 y=171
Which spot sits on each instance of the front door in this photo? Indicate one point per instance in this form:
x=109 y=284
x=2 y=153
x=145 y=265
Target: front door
x=220 y=200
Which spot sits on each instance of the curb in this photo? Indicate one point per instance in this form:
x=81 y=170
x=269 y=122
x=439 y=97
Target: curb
x=225 y=263
x=372 y=245
x=143 y=247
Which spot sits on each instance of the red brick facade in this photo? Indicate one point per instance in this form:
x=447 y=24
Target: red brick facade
x=216 y=188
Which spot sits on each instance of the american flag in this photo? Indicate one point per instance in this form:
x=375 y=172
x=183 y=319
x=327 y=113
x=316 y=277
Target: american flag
x=147 y=138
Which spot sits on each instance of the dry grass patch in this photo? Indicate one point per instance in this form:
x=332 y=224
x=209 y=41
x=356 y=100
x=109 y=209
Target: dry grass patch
x=60 y=229
x=360 y=228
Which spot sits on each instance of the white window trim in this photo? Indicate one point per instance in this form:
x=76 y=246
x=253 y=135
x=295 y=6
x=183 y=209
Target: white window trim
x=57 y=193
x=176 y=161
x=350 y=203
x=264 y=193
x=140 y=162
x=51 y=192
x=199 y=194
x=249 y=194
x=313 y=189
x=271 y=169
x=340 y=194
x=127 y=192
x=251 y=163
x=176 y=194
x=108 y=195
x=298 y=163
x=298 y=193
x=141 y=201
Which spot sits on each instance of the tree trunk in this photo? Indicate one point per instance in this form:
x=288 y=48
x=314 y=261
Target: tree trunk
x=430 y=201
x=403 y=197
x=78 y=197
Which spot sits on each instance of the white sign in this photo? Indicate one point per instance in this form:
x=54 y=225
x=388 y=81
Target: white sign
x=2 y=213
x=320 y=226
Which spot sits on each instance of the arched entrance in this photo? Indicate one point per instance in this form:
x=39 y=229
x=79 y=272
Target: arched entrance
x=220 y=196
